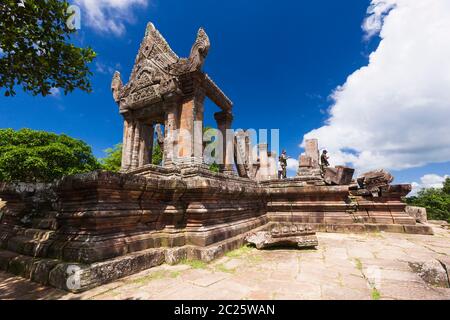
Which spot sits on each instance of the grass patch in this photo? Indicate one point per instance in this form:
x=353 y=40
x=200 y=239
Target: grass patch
x=359 y=265
x=375 y=234
x=175 y=274
x=196 y=264
x=151 y=277
x=222 y=268
x=239 y=252
x=376 y=295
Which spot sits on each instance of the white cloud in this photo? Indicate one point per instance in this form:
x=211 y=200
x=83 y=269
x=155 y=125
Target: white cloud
x=292 y=164
x=428 y=181
x=108 y=16
x=394 y=113
x=55 y=92
x=375 y=17
x=103 y=68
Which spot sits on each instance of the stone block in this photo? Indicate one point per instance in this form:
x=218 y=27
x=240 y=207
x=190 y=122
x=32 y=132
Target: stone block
x=284 y=236
x=339 y=175
x=174 y=256
x=312 y=151
x=69 y=277
x=21 y=266
x=40 y=270
x=305 y=161
x=418 y=229
x=5 y=258
x=432 y=272
x=418 y=213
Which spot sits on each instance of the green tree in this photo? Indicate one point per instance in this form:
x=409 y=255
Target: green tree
x=31 y=156
x=113 y=160
x=436 y=201
x=157 y=154
x=35 y=48
x=446 y=188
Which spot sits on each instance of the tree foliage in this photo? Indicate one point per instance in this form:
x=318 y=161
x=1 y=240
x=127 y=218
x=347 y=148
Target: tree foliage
x=35 y=48
x=113 y=160
x=38 y=156
x=157 y=154
x=436 y=201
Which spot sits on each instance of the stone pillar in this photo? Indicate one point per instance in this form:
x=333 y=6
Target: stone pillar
x=312 y=151
x=190 y=133
x=136 y=145
x=170 y=131
x=147 y=133
x=263 y=173
x=127 y=145
x=272 y=166
x=224 y=120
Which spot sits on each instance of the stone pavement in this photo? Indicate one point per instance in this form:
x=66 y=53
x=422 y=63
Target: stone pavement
x=345 y=266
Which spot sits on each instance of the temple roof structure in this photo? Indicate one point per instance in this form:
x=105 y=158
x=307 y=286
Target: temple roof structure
x=159 y=73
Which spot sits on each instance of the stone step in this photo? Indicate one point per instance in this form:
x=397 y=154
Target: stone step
x=33 y=244
x=38 y=234
x=44 y=223
x=79 y=277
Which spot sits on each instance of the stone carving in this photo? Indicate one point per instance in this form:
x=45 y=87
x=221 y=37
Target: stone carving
x=339 y=175
x=373 y=181
x=309 y=165
x=157 y=69
x=116 y=86
x=164 y=88
x=284 y=236
x=197 y=57
x=159 y=136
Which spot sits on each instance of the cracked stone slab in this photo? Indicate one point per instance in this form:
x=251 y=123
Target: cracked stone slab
x=432 y=272
x=206 y=279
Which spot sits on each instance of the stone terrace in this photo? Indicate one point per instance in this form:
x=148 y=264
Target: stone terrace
x=345 y=266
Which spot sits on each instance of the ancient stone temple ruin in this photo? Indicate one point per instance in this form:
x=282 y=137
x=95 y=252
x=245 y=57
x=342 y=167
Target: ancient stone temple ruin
x=85 y=230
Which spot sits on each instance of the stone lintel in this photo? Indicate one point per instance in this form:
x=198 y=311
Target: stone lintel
x=214 y=93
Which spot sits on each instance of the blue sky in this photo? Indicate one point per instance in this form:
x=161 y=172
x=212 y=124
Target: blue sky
x=278 y=61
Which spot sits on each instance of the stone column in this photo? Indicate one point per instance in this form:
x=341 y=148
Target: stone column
x=147 y=133
x=312 y=151
x=170 y=131
x=127 y=145
x=190 y=133
x=272 y=170
x=263 y=172
x=224 y=120
x=136 y=145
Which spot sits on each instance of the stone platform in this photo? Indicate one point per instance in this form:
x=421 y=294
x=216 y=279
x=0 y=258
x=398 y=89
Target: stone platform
x=360 y=266
x=103 y=226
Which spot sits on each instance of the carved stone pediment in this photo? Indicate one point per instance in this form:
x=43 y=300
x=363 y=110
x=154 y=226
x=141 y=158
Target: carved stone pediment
x=157 y=70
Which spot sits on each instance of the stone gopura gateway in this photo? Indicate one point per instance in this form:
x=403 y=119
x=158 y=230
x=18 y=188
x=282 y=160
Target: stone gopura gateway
x=86 y=230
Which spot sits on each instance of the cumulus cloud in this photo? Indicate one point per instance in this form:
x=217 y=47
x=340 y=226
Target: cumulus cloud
x=292 y=164
x=428 y=181
x=108 y=16
x=394 y=113
x=375 y=16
